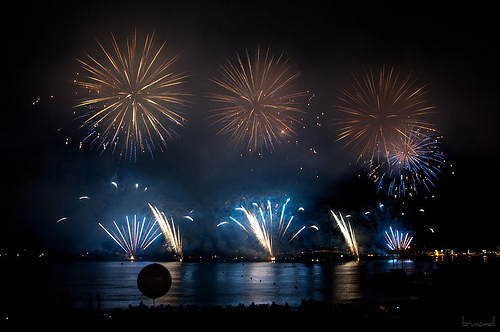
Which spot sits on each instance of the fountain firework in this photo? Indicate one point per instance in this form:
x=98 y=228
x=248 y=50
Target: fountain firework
x=259 y=223
x=349 y=236
x=172 y=235
x=136 y=238
x=398 y=240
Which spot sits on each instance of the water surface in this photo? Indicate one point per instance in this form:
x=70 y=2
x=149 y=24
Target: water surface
x=113 y=284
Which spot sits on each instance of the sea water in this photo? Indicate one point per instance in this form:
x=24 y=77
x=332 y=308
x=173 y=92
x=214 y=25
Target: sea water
x=113 y=284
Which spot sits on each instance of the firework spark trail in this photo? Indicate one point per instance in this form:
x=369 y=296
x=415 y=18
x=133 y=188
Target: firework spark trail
x=414 y=161
x=258 y=229
x=261 y=108
x=398 y=240
x=297 y=233
x=348 y=233
x=131 y=98
x=136 y=238
x=62 y=219
x=261 y=227
x=172 y=234
x=377 y=111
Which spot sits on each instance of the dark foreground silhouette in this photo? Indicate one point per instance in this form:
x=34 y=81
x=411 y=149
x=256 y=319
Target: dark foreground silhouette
x=410 y=314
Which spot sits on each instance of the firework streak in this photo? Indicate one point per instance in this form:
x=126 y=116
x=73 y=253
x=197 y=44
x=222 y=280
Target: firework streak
x=349 y=236
x=172 y=235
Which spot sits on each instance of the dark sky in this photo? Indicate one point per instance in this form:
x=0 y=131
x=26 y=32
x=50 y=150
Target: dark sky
x=451 y=49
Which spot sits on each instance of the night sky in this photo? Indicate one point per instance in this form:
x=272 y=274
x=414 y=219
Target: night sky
x=451 y=50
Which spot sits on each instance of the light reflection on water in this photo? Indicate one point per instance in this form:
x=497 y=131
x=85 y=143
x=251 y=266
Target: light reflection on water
x=234 y=283
x=114 y=284
x=346 y=282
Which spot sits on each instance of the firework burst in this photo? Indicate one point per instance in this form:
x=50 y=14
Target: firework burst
x=132 y=98
x=172 y=234
x=261 y=109
x=348 y=233
x=269 y=225
x=414 y=162
x=136 y=237
x=377 y=111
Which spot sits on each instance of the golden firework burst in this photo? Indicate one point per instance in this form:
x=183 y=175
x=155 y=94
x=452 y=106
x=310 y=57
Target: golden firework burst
x=378 y=109
x=132 y=98
x=261 y=108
